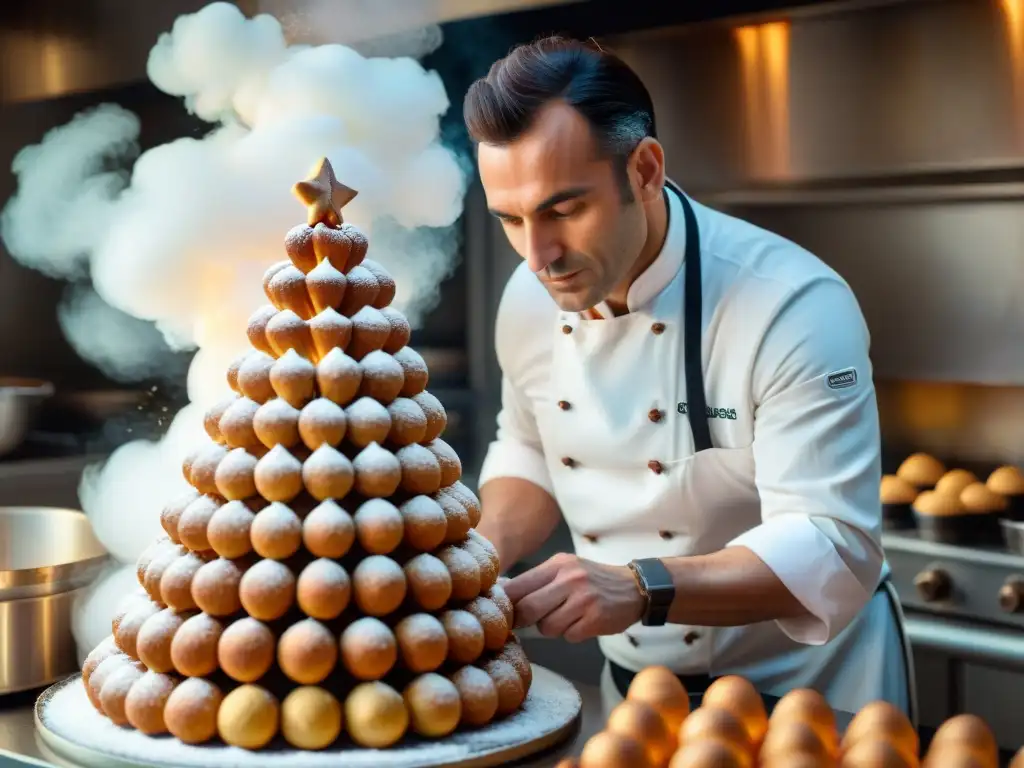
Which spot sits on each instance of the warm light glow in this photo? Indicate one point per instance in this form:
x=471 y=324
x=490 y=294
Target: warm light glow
x=764 y=61
x=1013 y=15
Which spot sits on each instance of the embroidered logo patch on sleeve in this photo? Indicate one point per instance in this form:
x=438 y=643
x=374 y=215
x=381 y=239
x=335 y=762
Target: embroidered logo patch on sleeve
x=842 y=379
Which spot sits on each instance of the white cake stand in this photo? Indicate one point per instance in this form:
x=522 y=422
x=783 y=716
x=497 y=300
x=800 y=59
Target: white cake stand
x=75 y=732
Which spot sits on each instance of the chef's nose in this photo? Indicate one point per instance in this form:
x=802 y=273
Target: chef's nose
x=541 y=249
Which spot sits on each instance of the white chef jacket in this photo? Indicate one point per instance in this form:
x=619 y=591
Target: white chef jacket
x=594 y=412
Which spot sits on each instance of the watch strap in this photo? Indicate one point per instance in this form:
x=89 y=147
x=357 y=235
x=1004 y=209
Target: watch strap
x=656 y=585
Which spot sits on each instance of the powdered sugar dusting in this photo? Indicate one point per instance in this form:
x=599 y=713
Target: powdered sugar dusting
x=266 y=576
x=326 y=286
x=230 y=521
x=370 y=319
x=553 y=704
x=401 y=331
x=380 y=365
x=322 y=420
x=151 y=688
x=411 y=360
x=416 y=458
x=374 y=459
x=421 y=628
x=276 y=522
x=120 y=681
x=277 y=423
x=254 y=376
x=277 y=463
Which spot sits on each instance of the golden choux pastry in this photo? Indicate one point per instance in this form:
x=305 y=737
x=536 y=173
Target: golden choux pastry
x=311 y=718
x=954 y=481
x=360 y=293
x=1007 y=480
x=795 y=734
x=276 y=531
x=707 y=722
x=378 y=585
x=329 y=330
x=191 y=710
x=935 y=504
x=496 y=629
x=246 y=650
x=978 y=499
x=642 y=723
x=807 y=705
x=382 y=376
x=235 y=477
x=176 y=582
x=102 y=652
x=414 y=368
x=232 y=373
x=153 y=641
x=488 y=567
x=144 y=706
x=328 y=474
x=272 y=270
x=456 y=517
x=115 y=690
x=248 y=717
x=228 y=529
x=511 y=691
x=882 y=720
x=434 y=705
x=326 y=286
x=279 y=475
x=286 y=330
x=298 y=244
x=323 y=589
x=338 y=377
x=401 y=331
x=236 y=425
x=369 y=648
x=368 y=422
x=465 y=636
x=408 y=422
x=378 y=471
x=128 y=628
x=421 y=471
x=385 y=283
x=328 y=531
x=307 y=652
x=738 y=695
x=375 y=715
x=99 y=676
x=608 y=749
x=464 y=571
x=293 y=378
x=437 y=419
x=194 y=647
x=254 y=376
x=215 y=587
x=169 y=518
x=422 y=642
x=267 y=590
x=256 y=328
x=922 y=470
x=448 y=459
x=322 y=421
x=155 y=569
x=379 y=526
x=194 y=520
x=424 y=522
x=514 y=654
x=277 y=423
x=286 y=289
x=204 y=468
x=895 y=490
x=343 y=246
x=428 y=581
x=968 y=731
x=659 y=687
x=478 y=695
x=711 y=752
x=501 y=599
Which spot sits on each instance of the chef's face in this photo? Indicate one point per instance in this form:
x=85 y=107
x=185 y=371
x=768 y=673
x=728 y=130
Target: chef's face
x=576 y=217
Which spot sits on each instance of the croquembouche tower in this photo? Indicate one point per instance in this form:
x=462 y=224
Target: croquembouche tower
x=322 y=581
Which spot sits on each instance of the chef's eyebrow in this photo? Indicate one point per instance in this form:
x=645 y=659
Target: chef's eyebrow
x=550 y=202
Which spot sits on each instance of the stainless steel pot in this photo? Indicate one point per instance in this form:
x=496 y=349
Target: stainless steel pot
x=19 y=404
x=47 y=555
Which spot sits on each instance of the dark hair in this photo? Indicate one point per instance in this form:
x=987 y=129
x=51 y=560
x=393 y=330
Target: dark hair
x=612 y=98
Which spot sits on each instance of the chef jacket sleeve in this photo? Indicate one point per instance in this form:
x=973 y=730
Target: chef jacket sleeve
x=817 y=457
x=519 y=337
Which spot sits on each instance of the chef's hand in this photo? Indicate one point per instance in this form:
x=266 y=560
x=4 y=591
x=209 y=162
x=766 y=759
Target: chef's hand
x=567 y=596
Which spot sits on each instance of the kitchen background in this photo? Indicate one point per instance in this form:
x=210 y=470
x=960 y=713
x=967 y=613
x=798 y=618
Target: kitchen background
x=888 y=137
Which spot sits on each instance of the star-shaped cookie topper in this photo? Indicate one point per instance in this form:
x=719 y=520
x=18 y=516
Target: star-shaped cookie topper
x=324 y=195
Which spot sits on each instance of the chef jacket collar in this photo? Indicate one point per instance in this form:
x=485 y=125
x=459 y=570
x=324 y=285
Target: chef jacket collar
x=663 y=269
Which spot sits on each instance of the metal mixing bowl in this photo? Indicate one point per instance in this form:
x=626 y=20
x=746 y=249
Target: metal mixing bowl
x=19 y=403
x=47 y=555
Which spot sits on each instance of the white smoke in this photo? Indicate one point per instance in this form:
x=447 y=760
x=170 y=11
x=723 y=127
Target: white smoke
x=184 y=243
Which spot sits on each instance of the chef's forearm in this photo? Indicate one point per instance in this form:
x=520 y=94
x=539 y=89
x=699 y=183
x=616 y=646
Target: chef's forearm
x=517 y=517
x=731 y=587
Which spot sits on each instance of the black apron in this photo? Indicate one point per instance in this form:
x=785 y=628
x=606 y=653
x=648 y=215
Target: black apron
x=696 y=414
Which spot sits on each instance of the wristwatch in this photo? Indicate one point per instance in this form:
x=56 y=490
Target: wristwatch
x=655 y=583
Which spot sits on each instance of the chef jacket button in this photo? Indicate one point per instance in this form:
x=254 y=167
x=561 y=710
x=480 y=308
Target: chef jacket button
x=654 y=415
x=590 y=537
x=658 y=328
x=691 y=637
x=564 y=405
x=632 y=640
x=655 y=467
x=666 y=535
x=569 y=461
x=566 y=329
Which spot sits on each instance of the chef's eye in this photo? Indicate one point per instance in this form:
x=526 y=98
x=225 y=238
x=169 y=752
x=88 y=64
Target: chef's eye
x=566 y=210
x=510 y=221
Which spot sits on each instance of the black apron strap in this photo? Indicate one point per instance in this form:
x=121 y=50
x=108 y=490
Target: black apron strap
x=696 y=409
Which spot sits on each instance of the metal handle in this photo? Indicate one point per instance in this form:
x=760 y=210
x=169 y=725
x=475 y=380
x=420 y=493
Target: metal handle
x=990 y=646
x=933 y=585
x=1011 y=594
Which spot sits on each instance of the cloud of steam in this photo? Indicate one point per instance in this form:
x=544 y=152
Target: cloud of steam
x=184 y=242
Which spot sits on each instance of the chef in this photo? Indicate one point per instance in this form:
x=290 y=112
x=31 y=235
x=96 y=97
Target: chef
x=691 y=393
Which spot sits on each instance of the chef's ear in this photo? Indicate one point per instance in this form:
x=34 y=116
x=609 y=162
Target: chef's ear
x=648 y=168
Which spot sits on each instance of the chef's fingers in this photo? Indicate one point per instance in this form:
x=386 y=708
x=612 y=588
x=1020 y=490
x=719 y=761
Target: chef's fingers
x=533 y=579
x=558 y=622
x=537 y=605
